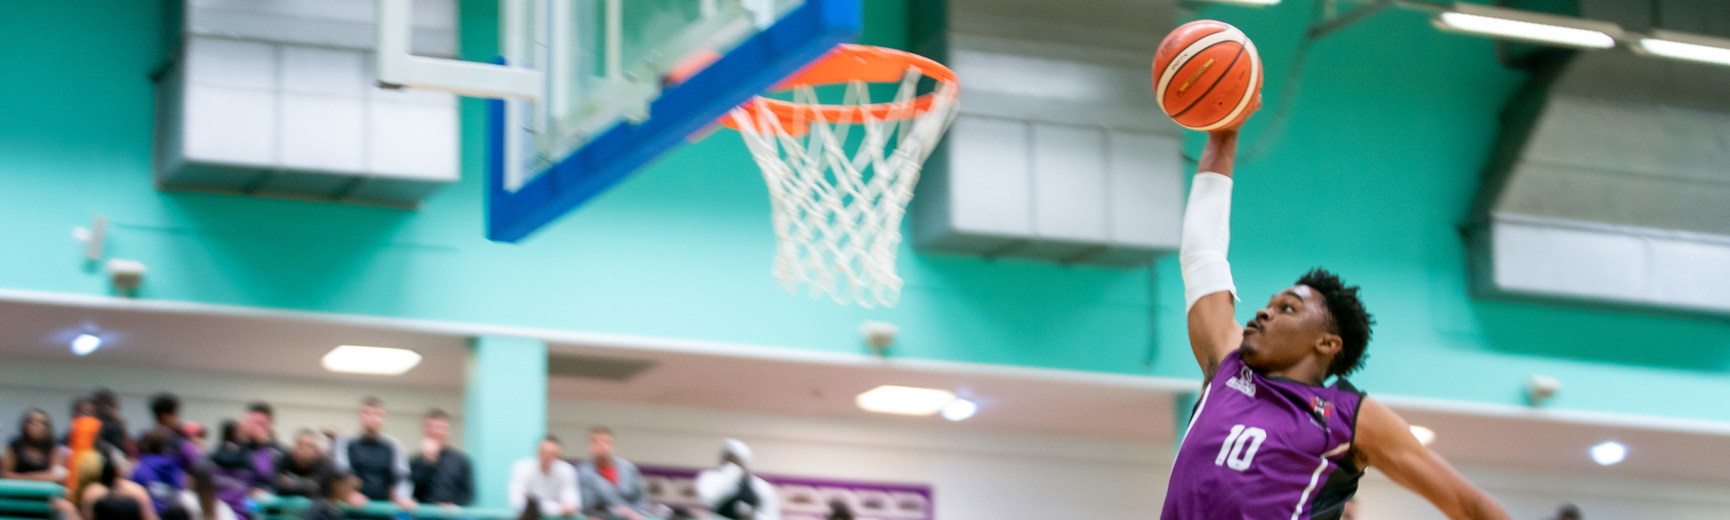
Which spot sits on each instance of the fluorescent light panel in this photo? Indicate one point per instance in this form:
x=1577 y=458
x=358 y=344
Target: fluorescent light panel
x=1609 y=452
x=904 y=400
x=1699 y=49
x=1528 y=26
x=355 y=359
x=84 y=344
x=960 y=410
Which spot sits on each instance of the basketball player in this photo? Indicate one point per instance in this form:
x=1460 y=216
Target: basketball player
x=1268 y=440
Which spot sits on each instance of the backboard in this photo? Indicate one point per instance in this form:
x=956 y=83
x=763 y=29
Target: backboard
x=589 y=91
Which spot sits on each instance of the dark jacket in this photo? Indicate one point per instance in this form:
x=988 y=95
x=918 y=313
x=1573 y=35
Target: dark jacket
x=446 y=480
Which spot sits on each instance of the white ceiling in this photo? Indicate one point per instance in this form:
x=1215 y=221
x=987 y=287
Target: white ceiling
x=797 y=383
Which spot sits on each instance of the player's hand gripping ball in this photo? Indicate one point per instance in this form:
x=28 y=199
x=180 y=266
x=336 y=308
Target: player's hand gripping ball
x=1207 y=76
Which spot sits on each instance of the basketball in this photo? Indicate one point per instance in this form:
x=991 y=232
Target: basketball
x=1206 y=75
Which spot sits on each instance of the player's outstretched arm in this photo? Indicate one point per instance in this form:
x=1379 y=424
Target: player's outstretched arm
x=1209 y=294
x=1385 y=441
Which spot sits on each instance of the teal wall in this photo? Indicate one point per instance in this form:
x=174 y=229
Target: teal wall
x=1371 y=176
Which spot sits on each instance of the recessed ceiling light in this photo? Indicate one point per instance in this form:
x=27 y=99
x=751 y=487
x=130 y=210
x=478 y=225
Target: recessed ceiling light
x=904 y=400
x=959 y=410
x=355 y=359
x=85 y=344
x=1425 y=435
x=1609 y=452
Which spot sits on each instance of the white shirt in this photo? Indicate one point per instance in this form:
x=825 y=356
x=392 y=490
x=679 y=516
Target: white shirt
x=717 y=485
x=189 y=500
x=556 y=489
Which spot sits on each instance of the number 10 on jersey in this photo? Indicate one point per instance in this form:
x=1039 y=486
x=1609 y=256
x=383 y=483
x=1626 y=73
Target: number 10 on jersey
x=1239 y=447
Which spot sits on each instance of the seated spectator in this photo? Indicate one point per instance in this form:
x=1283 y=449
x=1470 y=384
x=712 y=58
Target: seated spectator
x=200 y=500
x=166 y=408
x=440 y=474
x=378 y=460
x=32 y=454
x=80 y=440
x=233 y=468
x=158 y=471
x=113 y=431
x=99 y=479
x=547 y=481
x=838 y=510
x=733 y=492
x=611 y=486
x=334 y=487
x=195 y=435
x=297 y=471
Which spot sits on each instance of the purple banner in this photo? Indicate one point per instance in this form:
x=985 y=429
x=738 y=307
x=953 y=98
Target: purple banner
x=804 y=498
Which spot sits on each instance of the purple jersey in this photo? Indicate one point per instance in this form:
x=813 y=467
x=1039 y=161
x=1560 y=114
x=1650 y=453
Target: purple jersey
x=1266 y=449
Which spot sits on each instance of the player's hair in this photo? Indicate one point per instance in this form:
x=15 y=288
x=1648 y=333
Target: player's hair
x=1350 y=320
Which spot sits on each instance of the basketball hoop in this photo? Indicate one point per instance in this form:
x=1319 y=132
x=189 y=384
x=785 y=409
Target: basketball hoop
x=838 y=202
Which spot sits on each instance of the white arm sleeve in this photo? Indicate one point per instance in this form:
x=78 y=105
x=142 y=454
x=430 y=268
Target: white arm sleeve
x=1206 y=237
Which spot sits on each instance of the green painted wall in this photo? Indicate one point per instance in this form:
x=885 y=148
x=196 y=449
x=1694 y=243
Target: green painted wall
x=1370 y=176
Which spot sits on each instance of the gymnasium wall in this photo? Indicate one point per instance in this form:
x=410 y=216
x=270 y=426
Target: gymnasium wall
x=1371 y=174
x=975 y=475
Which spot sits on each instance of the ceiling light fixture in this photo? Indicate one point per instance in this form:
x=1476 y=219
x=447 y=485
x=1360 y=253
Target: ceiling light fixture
x=960 y=410
x=84 y=344
x=354 y=359
x=1425 y=435
x=904 y=400
x=1689 y=47
x=1609 y=452
x=1528 y=26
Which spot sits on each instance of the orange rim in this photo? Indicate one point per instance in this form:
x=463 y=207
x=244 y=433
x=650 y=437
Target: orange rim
x=849 y=62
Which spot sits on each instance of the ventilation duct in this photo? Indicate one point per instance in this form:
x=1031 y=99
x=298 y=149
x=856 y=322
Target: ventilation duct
x=1611 y=182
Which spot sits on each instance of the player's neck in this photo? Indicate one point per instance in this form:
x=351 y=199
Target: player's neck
x=1308 y=372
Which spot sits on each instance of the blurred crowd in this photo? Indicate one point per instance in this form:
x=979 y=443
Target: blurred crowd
x=180 y=470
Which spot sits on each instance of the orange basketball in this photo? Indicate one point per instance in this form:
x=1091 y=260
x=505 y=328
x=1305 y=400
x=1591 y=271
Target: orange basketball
x=1206 y=75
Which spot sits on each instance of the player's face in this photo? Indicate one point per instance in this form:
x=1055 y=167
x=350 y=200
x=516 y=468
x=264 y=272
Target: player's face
x=1292 y=327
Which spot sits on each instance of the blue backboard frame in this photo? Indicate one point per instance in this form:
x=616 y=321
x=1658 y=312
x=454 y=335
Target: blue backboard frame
x=775 y=53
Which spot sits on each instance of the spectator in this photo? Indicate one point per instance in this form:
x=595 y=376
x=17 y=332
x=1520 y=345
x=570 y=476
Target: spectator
x=838 y=510
x=200 y=500
x=32 y=454
x=334 y=487
x=298 y=471
x=158 y=471
x=166 y=408
x=194 y=434
x=114 y=429
x=732 y=492
x=80 y=440
x=260 y=422
x=440 y=474
x=1568 y=512
x=547 y=481
x=378 y=460
x=611 y=486
x=234 y=470
x=99 y=479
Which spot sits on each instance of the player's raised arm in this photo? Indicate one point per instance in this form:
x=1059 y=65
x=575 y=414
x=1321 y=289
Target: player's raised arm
x=1385 y=441
x=1208 y=293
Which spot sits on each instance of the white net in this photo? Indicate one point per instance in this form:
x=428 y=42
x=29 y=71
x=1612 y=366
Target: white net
x=838 y=201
